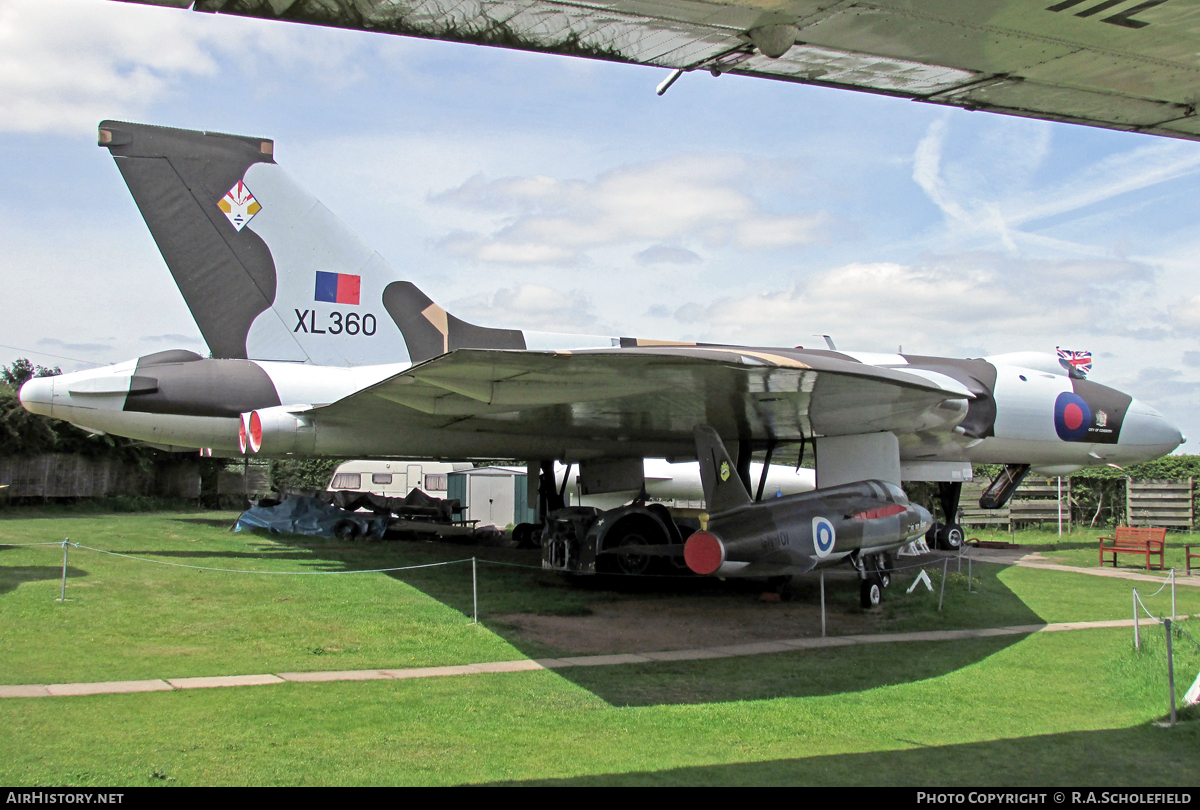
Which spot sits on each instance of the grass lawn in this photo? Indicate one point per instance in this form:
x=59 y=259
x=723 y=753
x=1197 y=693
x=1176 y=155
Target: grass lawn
x=1049 y=708
x=1057 y=708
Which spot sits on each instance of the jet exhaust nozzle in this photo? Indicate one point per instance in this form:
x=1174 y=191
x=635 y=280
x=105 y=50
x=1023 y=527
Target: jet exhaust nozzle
x=276 y=431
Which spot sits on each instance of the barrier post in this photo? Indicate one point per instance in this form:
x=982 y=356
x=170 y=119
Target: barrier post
x=1060 y=507
x=945 y=571
x=1170 y=670
x=65 y=544
x=968 y=574
x=474 y=591
x=822 y=604
x=1173 y=613
x=1137 y=637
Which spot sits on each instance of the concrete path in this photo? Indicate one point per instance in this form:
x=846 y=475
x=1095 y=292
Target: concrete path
x=754 y=648
x=1036 y=560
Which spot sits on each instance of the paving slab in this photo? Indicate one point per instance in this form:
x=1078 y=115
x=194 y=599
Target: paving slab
x=224 y=680
x=684 y=655
x=816 y=643
x=551 y=663
x=430 y=672
x=107 y=687
x=1117 y=573
x=508 y=666
x=344 y=675
x=754 y=648
x=604 y=660
x=27 y=690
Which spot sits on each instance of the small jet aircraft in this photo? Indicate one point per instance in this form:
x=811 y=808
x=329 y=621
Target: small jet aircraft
x=319 y=348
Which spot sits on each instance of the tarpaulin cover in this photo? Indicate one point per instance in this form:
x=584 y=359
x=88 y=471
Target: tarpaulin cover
x=297 y=514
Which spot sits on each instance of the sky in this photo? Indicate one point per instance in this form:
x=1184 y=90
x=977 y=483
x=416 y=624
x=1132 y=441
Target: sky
x=542 y=192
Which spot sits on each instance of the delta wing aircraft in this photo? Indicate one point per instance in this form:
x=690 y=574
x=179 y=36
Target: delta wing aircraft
x=1120 y=64
x=319 y=348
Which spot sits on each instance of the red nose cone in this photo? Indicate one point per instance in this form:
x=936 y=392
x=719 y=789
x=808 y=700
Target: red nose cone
x=703 y=553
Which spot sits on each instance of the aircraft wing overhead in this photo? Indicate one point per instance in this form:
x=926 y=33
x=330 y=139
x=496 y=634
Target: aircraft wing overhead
x=1120 y=64
x=652 y=395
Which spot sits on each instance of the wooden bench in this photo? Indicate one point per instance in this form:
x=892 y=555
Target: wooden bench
x=1131 y=540
x=1188 y=556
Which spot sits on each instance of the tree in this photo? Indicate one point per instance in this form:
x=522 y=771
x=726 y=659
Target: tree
x=22 y=371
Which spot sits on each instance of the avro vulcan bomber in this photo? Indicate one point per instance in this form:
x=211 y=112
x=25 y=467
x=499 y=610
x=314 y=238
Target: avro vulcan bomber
x=320 y=348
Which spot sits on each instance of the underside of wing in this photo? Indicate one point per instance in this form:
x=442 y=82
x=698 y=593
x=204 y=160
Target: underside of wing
x=649 y=399
x=1120 y=64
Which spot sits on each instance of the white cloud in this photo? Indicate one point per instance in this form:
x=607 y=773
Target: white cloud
x=1186 y=315
x=970 y=295
x=531 y=306
x=704 y=199
x=67 y=64
x=996 y=189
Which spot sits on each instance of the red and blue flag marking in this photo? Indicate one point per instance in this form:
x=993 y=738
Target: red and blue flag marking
x=337 y=288
x=1080 y=363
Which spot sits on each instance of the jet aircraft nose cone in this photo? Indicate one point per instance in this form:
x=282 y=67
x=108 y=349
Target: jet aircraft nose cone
x=37 y=395
x=1145 y=429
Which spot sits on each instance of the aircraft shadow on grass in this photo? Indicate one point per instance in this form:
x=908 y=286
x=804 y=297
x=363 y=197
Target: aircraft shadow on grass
x=1147 y=755
x=12 y=576
x=505 y=590
x=216 y=523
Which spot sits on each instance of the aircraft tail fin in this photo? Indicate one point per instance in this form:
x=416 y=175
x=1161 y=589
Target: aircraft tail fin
x=268 y=272
x=723 y=488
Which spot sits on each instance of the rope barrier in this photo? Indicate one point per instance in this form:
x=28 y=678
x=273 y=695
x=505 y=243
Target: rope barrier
x=1149 y=615
x=276 y=573
x=18 y=545
x=1166 y=582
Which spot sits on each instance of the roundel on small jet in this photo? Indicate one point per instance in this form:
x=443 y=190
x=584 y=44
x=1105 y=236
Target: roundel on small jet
x=1072 y=417
x=824 y=536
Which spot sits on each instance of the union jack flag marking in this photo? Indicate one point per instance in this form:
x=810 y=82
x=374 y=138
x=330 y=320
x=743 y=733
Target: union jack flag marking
x=1077 y=364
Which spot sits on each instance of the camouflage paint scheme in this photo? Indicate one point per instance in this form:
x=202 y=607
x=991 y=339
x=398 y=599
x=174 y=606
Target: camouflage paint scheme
x=1118 y=64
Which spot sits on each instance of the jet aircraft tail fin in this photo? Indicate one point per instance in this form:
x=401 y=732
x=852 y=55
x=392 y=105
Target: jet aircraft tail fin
x=723 y=488
x=268 y=272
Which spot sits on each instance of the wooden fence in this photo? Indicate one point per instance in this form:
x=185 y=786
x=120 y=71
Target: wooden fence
x=1168 y=504
x=1037 y=501
x=1159 y=503
x=60 y=475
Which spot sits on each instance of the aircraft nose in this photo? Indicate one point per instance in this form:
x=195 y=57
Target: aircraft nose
x=37 y=395
x=1144 y=427
x=924 y=516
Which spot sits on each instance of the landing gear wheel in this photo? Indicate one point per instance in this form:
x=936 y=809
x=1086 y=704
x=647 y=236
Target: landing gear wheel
x=527 y=535
x=633 y=563
x=883 y=566
x=871 y=592
x=345 y=530
x=950 y=536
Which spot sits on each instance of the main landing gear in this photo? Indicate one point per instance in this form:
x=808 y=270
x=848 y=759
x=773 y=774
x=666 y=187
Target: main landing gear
x=948 y=535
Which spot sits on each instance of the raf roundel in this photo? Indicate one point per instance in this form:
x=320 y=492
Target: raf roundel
x=824 y=537
x=1072 y=417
